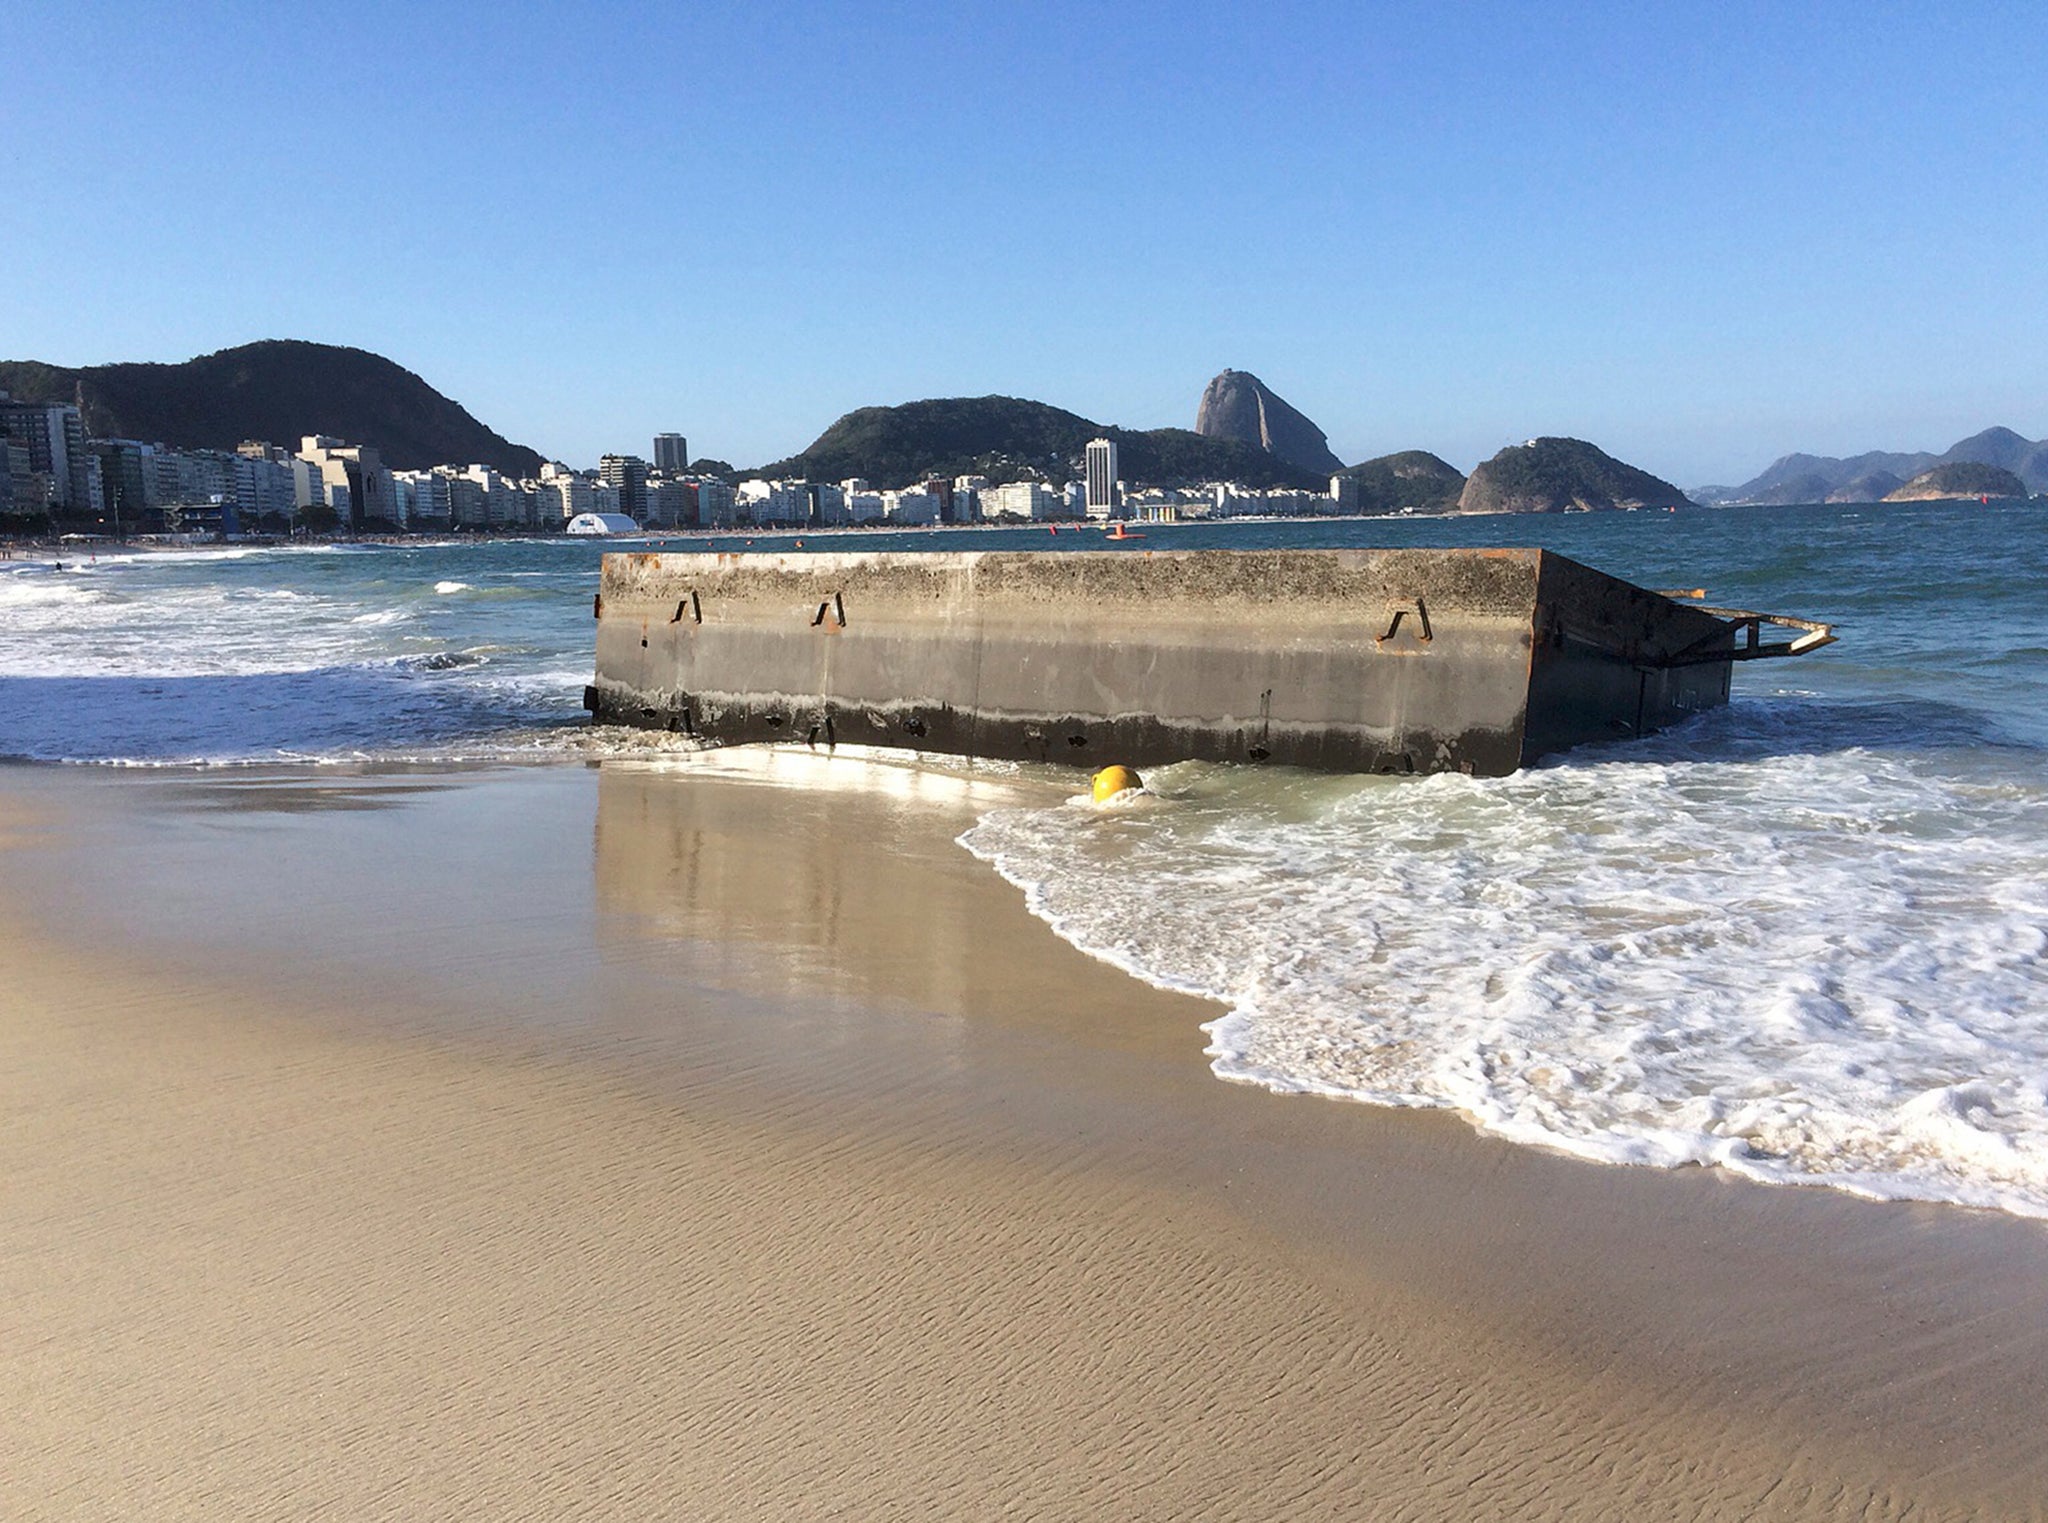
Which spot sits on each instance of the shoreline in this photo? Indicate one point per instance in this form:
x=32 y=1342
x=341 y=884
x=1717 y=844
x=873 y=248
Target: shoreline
x=943 y=1125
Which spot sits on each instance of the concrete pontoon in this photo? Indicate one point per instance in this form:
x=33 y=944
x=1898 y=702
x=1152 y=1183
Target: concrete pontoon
x=1388 y=661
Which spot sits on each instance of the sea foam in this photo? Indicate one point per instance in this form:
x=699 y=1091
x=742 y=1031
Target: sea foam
x=1817 y=967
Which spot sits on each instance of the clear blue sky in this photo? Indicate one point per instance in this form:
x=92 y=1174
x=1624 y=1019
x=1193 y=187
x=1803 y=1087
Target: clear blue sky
x=1699 y=235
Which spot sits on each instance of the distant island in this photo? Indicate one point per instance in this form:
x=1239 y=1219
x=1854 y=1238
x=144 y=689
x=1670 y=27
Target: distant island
x=1961 y=479
x=1560 y=476
x=1876 y=475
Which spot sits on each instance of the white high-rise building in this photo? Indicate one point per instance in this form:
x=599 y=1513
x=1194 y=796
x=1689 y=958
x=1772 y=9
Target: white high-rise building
x=911 y=506
x=670 y=504
x=571 y=495
x=1021 y=499
x=354 y=470
x=714 y=503
x=50 y=437
x=504 y=505
x=1102 y=493
x=426 y=498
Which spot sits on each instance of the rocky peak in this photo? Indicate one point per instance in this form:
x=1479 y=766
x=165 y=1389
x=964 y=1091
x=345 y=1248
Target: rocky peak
x=1238 y=405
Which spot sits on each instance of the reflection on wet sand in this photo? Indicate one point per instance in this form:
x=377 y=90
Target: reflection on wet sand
x=851 y=907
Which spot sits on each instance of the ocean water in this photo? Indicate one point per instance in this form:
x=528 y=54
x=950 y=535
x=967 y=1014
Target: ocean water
x=1801 y=938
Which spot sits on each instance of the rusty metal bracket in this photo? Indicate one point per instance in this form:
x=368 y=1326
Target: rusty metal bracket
x=688 y=605
x=1421 y=612
x=1749 y=624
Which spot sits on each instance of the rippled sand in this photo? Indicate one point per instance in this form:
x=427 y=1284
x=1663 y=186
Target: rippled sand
x=687 y=1142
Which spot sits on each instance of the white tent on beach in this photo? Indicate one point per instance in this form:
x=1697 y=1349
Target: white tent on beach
x=601 y=523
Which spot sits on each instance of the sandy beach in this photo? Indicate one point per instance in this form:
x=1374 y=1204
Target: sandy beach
x=718 y=1139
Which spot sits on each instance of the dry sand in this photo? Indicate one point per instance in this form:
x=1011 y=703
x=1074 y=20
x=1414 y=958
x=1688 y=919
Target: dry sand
x=726 y=1143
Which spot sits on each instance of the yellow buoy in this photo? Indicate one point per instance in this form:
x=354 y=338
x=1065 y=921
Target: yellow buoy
x=1111 y=781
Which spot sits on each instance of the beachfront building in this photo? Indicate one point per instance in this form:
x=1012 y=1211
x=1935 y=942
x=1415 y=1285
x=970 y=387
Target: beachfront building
x=626 y=475
x=128 y=478
x=672 y=455
x=260 y=488
x=1233 y=501
x=92 y=482
x=670 y=504
x=826 y=503
x=312 y=489
x=263 y=483
x=564 y=494
x=505 y=507
x=352 y=476
x=941 y=488
x=1285 y=504
x=913 y=507
x=427 y=498
x=1168 y=505
x=967 y=492
x=806 y=503
x=1104 y=491
x=752 y=500
x=47 y=457
x=468 y=504
x=716 y=505
x=1030 y=500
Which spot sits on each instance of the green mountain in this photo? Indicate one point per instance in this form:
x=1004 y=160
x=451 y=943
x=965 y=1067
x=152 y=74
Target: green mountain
x=1962 y=478
x=277 y=390
x=1414 y=479
x=1562 y=475
x=1011 y=439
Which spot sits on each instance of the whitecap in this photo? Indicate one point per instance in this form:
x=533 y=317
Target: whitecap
x=1804 y=968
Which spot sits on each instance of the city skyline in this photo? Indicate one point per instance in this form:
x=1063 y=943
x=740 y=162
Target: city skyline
x=1700 y=238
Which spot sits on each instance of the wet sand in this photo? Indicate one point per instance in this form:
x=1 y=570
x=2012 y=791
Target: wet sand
x=720 y=1140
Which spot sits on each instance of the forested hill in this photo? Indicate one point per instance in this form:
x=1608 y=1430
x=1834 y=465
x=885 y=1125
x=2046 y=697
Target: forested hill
x=277 y=390
x=1012 y=439
x=1413 y=479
